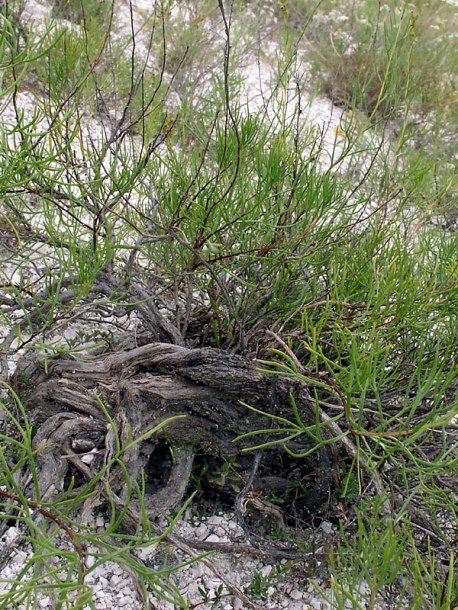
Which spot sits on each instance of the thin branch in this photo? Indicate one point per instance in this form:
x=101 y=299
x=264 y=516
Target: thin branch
x=78 y=546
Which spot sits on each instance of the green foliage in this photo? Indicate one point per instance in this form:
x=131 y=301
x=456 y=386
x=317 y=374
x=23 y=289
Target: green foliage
x=365 y=567
x=378 y=563
x=81 y=11
x=383 y=55
x=133 y=161
x=260 y=584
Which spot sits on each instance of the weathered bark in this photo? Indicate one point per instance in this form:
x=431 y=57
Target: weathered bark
x=141 y=389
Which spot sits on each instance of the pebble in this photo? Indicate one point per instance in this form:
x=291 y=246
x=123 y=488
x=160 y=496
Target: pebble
x=211 y=584
x=11 y=534
x=234 y=527
x=213 y=538
x=19 y=557
x=126 y=600
x=197 y=571
x=216 y=520
x=265 y=571
x=201 y=531
x=90 y=560
x=221 y=532
x=88 y=458
x=115 y=579
x=191 y=590
x=296 y=594
x=326 y=526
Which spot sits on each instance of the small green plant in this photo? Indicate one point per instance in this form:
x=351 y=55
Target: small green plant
x=227 y=475
x=259 y=585
x=349 y=487
x=214 y=601
x=375 y=565
x=365 y=568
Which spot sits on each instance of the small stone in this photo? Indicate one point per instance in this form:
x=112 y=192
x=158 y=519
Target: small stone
x=326 y=526
x=88 y=458
x=11 y=534
x=114 y=580
x=221 y=532
x=44 y=602
x=296 y=594
x=265 y=571
x=213 y=538
x=90 y=560
x=191 y=590
x=19 y=557
x=126 y=600
x=215 y=520
x=211 y=584
x=198 y=570
x=201 y=531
